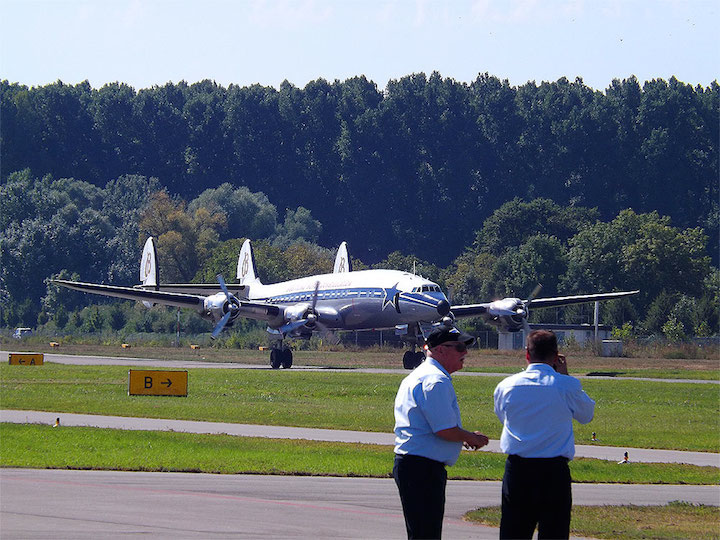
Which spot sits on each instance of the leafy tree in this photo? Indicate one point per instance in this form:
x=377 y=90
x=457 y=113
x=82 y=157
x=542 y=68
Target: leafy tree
x=184 y=240
x=542 y=259
x=469 y=279
x=304 y=259
x=299 y=225
x=516 y=221
x=223 y=261
x=622 y=254
x=410 y=263
x=248 y=214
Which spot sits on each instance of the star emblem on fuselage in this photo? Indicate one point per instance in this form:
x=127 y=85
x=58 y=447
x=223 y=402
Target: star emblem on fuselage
x=390 y=293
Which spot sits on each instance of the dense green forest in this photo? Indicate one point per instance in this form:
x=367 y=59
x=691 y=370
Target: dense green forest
x=485 y=187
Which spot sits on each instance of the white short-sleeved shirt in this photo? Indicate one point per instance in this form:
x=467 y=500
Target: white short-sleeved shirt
x=537 y=407
x=425 y=404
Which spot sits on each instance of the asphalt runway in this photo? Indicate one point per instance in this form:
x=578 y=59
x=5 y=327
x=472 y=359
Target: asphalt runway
x=62 y=504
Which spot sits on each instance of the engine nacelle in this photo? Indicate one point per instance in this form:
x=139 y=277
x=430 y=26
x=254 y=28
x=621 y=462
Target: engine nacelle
x=297 y=312
x=508 y=314
x=216 y=306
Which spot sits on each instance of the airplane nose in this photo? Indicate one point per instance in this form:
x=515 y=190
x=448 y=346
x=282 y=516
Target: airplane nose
x=443 y=307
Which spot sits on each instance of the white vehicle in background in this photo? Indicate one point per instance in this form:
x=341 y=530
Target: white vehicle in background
x=22 y=332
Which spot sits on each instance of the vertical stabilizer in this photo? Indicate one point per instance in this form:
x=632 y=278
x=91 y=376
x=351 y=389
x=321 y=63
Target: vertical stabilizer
x=148 y=267
x=342 y=260
x=246 y=270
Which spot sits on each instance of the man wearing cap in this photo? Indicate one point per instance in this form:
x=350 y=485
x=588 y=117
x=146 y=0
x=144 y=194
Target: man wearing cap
x=428 y=432
x=537 y=407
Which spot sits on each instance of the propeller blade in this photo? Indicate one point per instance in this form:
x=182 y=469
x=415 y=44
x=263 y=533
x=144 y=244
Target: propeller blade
x=315 y=295
x=526 y=309
x=289 y=327
x=220 y=325
x=224 y=288
x=534 y=293
x=328 y=334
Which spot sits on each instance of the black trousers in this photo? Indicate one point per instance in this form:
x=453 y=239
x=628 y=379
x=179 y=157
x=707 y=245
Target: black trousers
x=421 y=483
x=536 y=492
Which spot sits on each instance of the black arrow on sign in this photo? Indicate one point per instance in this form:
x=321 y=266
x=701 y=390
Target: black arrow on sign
x=168 y=383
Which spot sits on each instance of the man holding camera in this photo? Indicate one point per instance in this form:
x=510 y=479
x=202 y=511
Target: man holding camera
x=537 y=407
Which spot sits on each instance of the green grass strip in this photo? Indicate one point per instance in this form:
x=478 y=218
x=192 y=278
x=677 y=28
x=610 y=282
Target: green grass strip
x=628 y=413
x=40 y=446
x=672 y=521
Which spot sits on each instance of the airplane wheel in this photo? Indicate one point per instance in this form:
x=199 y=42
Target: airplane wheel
x=419 y=358
x=275 y=358
x=287 y=358
x=409 y=360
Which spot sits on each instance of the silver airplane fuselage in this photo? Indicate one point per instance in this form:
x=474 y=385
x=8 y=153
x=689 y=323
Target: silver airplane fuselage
x=365 y=299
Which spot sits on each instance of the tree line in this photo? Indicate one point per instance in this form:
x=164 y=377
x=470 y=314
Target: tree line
x=416 y=167
x=72 y=229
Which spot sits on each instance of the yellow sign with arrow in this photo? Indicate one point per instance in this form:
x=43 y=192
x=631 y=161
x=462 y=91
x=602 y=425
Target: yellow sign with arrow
x=157 y=383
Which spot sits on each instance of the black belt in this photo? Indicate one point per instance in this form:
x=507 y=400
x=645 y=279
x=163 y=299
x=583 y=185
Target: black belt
x=519 y=459
x=414 y=457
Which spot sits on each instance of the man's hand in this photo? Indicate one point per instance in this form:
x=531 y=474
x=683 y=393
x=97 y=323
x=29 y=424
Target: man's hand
x=475 y=440
x=471 y=440
x=561 y=364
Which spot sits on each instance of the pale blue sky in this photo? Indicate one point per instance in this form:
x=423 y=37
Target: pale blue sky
x=151 y=42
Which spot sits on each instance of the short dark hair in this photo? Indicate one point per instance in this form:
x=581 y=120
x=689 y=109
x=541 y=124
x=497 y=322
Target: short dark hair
x=542 y=344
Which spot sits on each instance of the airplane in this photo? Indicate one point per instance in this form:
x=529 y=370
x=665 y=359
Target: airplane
x=342 y=300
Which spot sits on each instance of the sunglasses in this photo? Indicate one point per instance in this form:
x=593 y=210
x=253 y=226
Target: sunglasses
x=459 y=347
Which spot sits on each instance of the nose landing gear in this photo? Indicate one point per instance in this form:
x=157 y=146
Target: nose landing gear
x=412 y=359
x=281 y=356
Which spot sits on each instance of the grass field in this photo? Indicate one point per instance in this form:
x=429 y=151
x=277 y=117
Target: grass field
x=39 y=446
x=681 y=416
x=675 y=520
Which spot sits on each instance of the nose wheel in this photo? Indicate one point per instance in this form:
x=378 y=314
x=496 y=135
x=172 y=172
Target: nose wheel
x=412 y=359
x=281 y=357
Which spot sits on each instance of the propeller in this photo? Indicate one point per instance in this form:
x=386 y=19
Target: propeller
x=526 y=306
x=311 y=321
x=233 y=306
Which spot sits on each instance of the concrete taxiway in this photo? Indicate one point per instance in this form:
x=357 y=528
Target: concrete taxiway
x=64 y=504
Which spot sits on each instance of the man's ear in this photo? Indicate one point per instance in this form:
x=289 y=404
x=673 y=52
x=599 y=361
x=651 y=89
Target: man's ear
x=527 y=355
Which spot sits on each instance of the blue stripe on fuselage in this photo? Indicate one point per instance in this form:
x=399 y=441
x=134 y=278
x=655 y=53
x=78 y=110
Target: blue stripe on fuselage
x=358 y=292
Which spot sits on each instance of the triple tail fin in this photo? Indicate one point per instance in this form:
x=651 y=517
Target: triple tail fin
x=342 y=260
x=246 y=270
x=149 y=275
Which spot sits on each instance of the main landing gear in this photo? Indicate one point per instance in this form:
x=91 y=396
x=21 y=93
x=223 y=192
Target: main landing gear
x=281 y=356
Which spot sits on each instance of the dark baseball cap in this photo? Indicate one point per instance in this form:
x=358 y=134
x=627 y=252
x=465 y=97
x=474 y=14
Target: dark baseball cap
x=443 y=334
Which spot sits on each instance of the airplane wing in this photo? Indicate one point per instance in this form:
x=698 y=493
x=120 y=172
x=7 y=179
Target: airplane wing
x=474 y=310
x=579 y=299
x=200 y=289
x=251 y=310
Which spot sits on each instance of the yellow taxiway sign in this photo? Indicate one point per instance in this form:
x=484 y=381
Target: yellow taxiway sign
x=26 y=359
x=157 y=383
